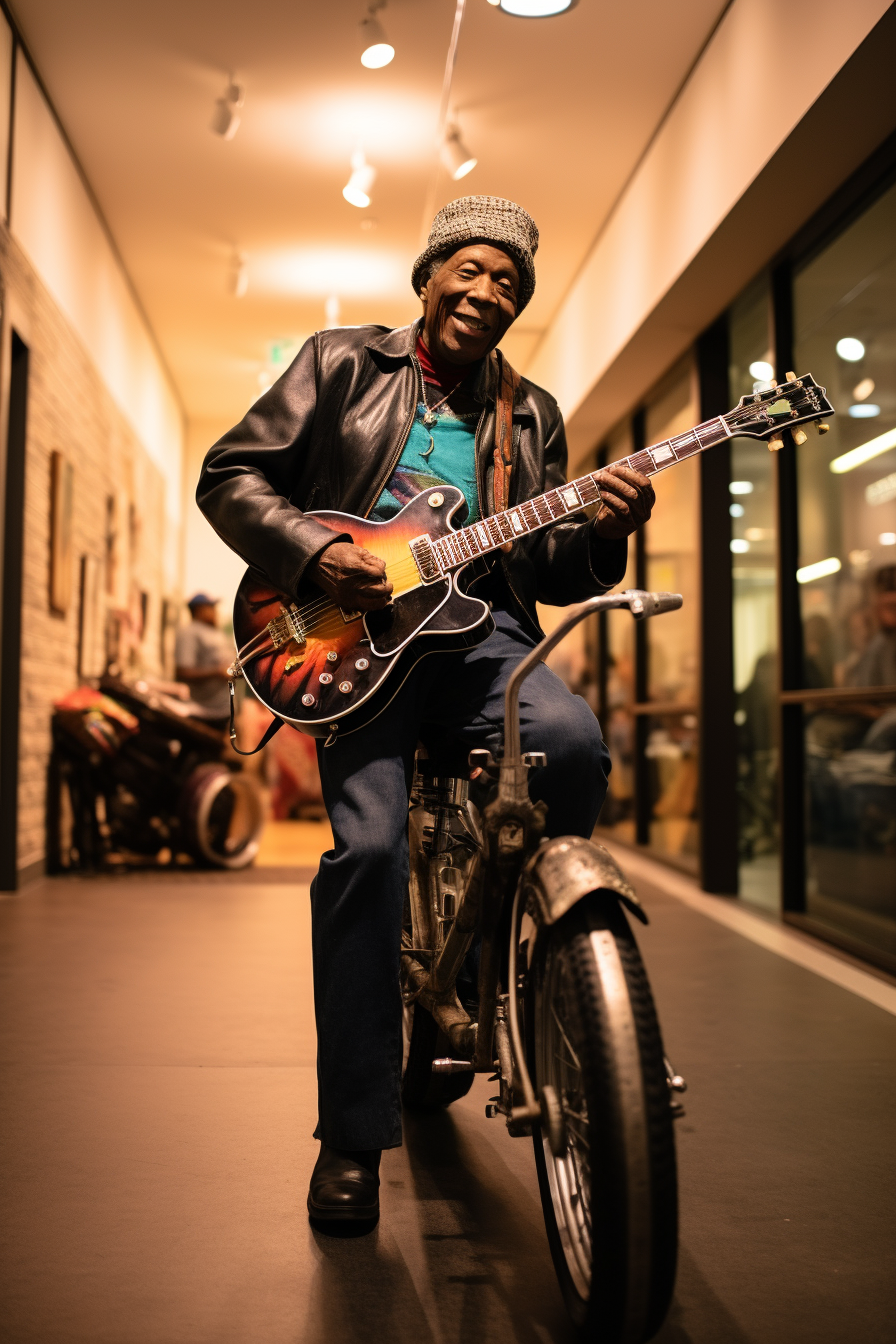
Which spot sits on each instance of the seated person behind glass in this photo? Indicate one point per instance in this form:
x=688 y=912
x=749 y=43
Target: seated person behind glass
x=202 y=654
x=877 y=665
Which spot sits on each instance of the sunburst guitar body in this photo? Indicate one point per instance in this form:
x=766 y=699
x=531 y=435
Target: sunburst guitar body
x=323 y=669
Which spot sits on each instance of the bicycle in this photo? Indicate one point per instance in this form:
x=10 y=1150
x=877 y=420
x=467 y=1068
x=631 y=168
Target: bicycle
x=518 y=960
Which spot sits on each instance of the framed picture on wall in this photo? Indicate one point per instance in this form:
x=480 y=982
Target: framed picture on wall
x=92 y=623
x=62 y=483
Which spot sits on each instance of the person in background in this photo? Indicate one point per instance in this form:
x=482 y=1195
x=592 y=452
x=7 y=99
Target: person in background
x=202 y=654
x=877 y=665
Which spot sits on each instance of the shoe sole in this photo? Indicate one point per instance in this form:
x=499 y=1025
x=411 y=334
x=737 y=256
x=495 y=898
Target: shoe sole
x=324 y=1213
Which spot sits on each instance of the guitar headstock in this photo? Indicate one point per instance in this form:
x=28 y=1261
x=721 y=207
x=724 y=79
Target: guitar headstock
x=797 y=402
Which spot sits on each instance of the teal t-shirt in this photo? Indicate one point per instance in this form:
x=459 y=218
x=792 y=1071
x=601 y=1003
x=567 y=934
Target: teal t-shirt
x=443 y=454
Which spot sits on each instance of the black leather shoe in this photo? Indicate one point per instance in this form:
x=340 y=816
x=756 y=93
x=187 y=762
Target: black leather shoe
x=345 y=1187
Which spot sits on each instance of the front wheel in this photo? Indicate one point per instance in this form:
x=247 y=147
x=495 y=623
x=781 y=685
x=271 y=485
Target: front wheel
x=610 y=1197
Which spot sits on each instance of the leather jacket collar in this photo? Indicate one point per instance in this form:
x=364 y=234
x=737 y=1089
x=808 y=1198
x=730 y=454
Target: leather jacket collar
x=398 y=345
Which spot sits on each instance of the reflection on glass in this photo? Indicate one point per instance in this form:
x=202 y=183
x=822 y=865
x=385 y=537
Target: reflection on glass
x=752 y=510
x=851 y=815
x=672 y=753
x=618 y=814
x=845 y=324
x=671 y=539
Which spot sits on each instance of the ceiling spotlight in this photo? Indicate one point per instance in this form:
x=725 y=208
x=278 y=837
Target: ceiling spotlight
x=238 y=279
x=226 y=116
x=376 y=50
x=456 y=157
x=761 y=369
x=851 y=349
x=357 y=189
x=534 y=9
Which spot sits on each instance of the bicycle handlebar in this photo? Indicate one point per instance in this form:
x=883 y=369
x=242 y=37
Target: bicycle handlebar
x=640 y=603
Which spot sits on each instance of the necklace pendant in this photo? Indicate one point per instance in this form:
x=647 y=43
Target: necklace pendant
x=430 y=419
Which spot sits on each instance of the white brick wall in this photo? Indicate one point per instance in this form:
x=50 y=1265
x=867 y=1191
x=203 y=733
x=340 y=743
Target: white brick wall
x=71 y=411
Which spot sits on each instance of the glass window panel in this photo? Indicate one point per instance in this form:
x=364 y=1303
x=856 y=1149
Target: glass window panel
x=671 y=540
x=618 y=814
x=845 y=335
x=752 y=507
x=851 y=820
x=673 y=778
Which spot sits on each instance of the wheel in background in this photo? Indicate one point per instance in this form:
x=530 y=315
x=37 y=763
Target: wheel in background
x=610 y=1197
x=223 y=816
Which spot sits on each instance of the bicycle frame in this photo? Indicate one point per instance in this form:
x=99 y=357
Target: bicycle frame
x=504 y=856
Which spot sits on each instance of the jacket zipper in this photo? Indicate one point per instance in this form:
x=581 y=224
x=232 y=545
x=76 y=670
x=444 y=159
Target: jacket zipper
x=396 y=456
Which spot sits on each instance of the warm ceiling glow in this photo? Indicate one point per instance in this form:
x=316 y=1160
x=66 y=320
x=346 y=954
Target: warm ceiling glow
x=864 y=453
x=862 y=391
x=318 y=272
x=822 y=569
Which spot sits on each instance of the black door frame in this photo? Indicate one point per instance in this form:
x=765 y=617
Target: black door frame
x=13 y=567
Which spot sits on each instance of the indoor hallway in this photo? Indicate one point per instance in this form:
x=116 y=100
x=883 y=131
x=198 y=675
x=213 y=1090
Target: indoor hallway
x=158 y=1103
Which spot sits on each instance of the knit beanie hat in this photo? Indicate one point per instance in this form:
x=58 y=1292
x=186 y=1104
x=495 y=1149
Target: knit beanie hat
x=483 y=219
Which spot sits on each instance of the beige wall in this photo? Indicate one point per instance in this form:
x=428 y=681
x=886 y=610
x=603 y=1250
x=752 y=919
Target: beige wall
x=53 y=219
x=764 y=68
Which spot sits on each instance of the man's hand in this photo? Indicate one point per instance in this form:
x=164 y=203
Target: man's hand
x=354 y=578
x=627 y=501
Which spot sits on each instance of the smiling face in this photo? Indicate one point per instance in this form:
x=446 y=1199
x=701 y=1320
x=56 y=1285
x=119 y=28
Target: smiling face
x=469 y=303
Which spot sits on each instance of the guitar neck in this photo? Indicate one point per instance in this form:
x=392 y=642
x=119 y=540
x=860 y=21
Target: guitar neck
x=459 y=548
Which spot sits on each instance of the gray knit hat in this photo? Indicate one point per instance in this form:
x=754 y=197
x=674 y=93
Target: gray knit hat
x=487 y=219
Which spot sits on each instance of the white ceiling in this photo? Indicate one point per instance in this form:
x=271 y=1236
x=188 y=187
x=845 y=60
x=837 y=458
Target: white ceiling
x=558 y=112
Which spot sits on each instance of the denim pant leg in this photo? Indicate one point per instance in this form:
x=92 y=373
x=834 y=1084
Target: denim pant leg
x=357 y=899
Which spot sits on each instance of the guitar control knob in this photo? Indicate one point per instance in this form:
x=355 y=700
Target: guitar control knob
x=307 y=701
x=822 y=426
x=799 y=436
x=332 y=657
x=775 y=444
x=325 y=678
x=362 y=664
x=345 y=687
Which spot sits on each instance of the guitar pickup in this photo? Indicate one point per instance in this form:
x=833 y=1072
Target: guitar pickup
x=349 y=616
x=425 y=559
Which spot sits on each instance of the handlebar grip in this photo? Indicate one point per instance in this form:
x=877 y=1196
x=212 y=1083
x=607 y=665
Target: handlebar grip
x=654 y=604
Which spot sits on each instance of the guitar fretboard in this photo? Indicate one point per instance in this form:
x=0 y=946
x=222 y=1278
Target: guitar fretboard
x=459 y=548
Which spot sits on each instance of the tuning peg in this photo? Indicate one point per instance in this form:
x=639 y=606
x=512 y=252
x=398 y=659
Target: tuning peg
x=799 y=436
x=791 y=377
x=775 y=444
x=822 y=426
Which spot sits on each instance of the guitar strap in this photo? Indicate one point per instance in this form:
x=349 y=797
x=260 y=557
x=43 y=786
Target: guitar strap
x=508 y=382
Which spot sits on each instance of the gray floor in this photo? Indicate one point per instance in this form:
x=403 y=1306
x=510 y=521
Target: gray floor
x=157 y=1106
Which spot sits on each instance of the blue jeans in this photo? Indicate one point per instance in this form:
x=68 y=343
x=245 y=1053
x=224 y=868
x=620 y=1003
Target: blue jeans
x=358 y=895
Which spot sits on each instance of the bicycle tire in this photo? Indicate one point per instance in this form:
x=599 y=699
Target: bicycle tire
x=421 y=1089
x=615 y=1250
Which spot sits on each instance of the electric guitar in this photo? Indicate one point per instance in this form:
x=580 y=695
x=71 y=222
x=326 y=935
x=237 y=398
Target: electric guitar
x=328 y=671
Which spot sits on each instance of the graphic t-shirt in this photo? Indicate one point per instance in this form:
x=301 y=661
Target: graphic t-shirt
x=443 y=453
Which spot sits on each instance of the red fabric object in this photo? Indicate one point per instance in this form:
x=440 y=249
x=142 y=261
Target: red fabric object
x=441 y=375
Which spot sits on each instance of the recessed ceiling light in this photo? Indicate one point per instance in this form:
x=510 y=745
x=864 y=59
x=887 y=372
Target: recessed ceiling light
x=741 y=487
x=850 y=349
x=887 y=538
x=864 y=410
x=736 y=510
x=761 y=369
x=376 y=50
x=535 y=9
x=739 y=546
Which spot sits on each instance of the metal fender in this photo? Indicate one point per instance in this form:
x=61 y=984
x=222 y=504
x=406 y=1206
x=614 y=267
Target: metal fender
x=566 y=869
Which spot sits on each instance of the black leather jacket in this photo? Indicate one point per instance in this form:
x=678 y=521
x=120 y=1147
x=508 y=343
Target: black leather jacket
x=328 y=434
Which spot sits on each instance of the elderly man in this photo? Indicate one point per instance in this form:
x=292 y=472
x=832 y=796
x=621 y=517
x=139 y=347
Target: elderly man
x=363 y=420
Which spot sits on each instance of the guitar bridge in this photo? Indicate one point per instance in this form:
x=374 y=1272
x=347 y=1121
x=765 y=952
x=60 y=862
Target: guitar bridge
x=286 y=627
x=425 y=559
